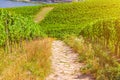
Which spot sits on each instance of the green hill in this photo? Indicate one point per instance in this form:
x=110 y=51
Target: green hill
x=71 y=17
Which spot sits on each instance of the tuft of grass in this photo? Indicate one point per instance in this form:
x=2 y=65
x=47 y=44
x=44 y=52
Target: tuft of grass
x=33 y=64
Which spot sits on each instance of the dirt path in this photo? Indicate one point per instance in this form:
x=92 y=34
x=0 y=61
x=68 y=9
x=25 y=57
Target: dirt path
x=65 y=63
x=41 y=15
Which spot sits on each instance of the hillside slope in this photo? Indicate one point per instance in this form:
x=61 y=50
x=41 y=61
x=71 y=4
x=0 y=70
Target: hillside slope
x=71 y=17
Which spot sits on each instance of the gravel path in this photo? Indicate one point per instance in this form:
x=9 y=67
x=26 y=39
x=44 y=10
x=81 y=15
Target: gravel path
x=65 y=63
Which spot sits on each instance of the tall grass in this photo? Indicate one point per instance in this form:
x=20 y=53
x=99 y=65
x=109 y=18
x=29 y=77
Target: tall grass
x=97 y=60
x=33 y=64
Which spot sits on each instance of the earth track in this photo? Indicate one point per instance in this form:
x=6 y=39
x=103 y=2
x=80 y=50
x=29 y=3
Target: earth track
x=65 y=63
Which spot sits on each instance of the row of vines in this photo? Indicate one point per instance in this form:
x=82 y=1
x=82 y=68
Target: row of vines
x=70 y=18
x=105 y=33
x=15 y=28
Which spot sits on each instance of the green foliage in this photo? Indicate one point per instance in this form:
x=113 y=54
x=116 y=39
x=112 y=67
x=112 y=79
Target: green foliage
x=15 y=28
x=71 y=18
x=104 y=32
x=25 y=11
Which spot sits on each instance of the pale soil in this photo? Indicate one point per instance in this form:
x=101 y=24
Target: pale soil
x=65 y=64
x=41 y=15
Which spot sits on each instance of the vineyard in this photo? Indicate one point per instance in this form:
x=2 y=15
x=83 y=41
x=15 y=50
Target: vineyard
x=71 y=18
x=15 y=28
x=98 y=22
x=91 y=28
x=25 y=11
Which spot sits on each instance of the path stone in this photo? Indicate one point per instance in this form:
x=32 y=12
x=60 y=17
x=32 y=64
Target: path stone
x=65 y=65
